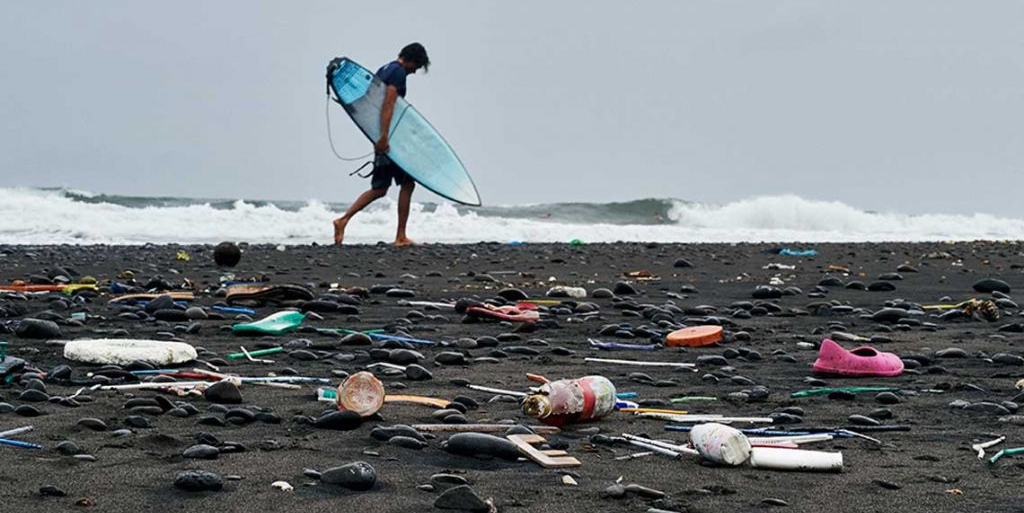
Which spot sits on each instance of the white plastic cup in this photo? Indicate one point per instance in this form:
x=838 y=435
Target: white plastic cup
x=776 y=458
x=720 y=444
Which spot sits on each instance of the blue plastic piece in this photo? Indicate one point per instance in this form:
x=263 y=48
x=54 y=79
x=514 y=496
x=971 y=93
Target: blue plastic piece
x=234 y=309
x=797 y=252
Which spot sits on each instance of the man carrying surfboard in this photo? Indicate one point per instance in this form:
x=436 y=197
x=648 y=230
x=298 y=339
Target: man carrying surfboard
x=393 y=74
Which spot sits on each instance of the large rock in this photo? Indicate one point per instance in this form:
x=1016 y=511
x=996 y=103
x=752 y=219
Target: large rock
x=479 y=444
x=989 y=285
x=223 y=392
x=462 y=498
x=37 y=329
x=198 y=481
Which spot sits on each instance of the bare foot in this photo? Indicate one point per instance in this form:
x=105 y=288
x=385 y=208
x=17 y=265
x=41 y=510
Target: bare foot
x=404 y=241
x=339 y=230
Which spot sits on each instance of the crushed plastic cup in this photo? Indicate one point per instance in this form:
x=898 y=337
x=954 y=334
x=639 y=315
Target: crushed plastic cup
x=720 y=444
x=361 y=393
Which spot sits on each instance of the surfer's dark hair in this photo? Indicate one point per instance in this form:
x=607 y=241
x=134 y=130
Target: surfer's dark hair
x=416 y=53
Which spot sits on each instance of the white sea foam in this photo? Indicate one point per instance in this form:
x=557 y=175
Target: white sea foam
x=31 y=216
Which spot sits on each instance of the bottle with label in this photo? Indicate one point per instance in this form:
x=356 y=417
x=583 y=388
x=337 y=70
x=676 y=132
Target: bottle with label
x=571 y=400
x=720 y=444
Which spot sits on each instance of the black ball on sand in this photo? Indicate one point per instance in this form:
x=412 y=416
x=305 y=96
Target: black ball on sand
x=227 y=254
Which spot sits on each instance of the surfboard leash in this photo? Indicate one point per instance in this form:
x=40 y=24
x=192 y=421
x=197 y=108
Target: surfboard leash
x=330 y=137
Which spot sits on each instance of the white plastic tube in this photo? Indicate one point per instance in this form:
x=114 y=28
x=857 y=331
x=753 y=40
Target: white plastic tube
x=795 y=459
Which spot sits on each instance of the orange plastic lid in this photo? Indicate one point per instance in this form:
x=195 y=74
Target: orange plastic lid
x=362 y=393
x=695 y=336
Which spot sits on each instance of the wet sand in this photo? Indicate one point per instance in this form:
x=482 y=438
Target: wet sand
x=931 y=464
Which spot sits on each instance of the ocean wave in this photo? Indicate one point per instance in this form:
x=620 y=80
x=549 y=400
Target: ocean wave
x=61 y=216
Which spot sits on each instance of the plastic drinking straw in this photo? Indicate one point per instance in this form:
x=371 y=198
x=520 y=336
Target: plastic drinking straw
x=852 y=390
x=379 y=334
x=693 y=398
x=770 y=432
x=234 y=309
x=610 y=346
x=16 y=431
x=634 y=362
x=258 y=352
x=1005 y=452
x=24 y=445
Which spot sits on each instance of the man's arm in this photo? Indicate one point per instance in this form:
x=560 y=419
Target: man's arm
x=390 y=96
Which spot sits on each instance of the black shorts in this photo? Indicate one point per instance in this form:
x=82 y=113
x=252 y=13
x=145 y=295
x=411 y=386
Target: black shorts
x=385 y=171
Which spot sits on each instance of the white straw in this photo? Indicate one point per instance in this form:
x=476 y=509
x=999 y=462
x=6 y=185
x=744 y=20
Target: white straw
x=634 y=362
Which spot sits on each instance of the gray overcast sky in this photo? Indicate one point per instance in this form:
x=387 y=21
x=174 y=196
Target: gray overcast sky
x=912 y=106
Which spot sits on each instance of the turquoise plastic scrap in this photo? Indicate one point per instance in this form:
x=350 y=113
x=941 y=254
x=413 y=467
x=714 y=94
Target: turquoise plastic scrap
x=274 y=324
x=797 y=252
x=1005 y=452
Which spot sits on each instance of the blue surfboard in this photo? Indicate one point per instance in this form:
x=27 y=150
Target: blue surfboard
x=415 y=145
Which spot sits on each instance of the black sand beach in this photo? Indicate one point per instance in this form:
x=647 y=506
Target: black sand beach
x=929 y=468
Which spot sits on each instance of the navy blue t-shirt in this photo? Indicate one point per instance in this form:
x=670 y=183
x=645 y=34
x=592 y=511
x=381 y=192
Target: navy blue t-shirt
x=393 y=74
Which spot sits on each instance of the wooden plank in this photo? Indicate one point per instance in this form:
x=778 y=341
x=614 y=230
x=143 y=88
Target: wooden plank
x=524 y=444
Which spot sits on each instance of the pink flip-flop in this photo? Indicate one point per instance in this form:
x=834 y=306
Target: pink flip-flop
x=862 y=361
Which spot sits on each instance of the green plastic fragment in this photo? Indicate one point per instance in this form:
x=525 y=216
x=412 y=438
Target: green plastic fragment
x=258 y=352
x=852 y=390
x=1005 y=452
x=274 y=324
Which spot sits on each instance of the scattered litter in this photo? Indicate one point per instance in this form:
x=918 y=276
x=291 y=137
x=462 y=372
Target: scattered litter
x=634 y=456
x=250 y=354
x=16 y=431
x=695 y=336
x=851 y=390
x=797 y=252
x=362 y=393
x=234 y=309
x=482 y=428
x=571 y=400
x=416 y=399
x=284 y=486
x=563 y=291
x=545 y=458
x=1005 y=452
x=611 y=346
x=643 y=364
x=23 y=445
x=125 y=351
x=693 y=398
x=697 y=419
x=275 y=324
x=979 y=448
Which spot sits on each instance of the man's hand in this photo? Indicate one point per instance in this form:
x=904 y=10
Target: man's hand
x=382 y=146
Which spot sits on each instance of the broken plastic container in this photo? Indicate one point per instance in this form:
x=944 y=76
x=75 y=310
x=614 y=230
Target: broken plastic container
x=361 y=393
x=571 y=400
x=720 y=444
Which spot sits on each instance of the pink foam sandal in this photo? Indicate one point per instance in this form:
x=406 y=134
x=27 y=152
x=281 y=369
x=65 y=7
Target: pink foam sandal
x=862 y=361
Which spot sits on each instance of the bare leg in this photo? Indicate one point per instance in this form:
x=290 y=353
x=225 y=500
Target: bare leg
x=404 y=199
x=361 y=202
